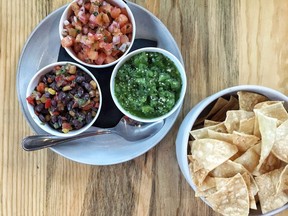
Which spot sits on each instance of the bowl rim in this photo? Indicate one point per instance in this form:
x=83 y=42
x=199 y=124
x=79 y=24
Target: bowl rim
x=182 y=137
x=131 y=17
x=46 y=127
x=177 y=63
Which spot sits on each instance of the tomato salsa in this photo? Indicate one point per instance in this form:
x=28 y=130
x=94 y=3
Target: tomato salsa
x=148 y=85
x=98 y=32
x=66 y=98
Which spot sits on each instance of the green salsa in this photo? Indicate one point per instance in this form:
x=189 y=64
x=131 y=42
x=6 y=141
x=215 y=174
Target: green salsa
x=148 y=85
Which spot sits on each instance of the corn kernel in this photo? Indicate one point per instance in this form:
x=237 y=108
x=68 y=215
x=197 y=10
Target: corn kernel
x=65 y=130
x=93 y=84
x=51 y=91
x=67 y=88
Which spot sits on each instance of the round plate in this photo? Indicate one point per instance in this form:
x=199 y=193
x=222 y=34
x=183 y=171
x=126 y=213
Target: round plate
x=42 y=48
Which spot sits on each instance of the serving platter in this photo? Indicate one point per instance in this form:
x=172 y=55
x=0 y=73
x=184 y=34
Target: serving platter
x=43 y=48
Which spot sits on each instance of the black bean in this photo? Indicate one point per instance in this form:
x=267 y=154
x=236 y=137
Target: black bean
x=77 y=124
x=54 y=86
x=86 y=96
x=87 y=86
x=39 y=107
x=80 y=79
x=61 y=95
x=70 y=105
x=53 y=102
x=88 y=117
x=54 y=119
x=80 y=91
x=42 y=118
x=60 y=121
x=47 y=94
x=73 y=91
x=87 y=77
x=44 y=79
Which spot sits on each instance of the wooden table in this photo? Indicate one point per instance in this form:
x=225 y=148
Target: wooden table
x=223 y=43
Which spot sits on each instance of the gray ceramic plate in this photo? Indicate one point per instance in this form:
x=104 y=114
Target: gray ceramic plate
x=42 y=48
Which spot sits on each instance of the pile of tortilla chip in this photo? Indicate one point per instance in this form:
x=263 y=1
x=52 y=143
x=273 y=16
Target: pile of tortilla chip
x=239 y=156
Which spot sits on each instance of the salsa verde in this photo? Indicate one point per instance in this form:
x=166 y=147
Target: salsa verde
x=148 y=85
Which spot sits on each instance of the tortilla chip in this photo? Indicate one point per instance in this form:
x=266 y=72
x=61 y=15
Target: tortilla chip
x=268 y=196
x=275 y=110
x=228 y=169
x=244 y=141
x=215 y=108
x=250 y=158
x=231 y=105
x=282 y=185
x=247 y=125
x=267 y=127
x=203 y=132
x=280 y=147
x=247 y=179
x=199 y=176
x=208 y=123
x=220 y=136
x=231 y=199
x=233 y=117
x=210 y=153
x=269 y=164
x=247 y=100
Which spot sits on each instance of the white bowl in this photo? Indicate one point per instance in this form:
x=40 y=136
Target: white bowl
x=34 y=82
x=187 y=124
x=178 y=65
x=118 y=3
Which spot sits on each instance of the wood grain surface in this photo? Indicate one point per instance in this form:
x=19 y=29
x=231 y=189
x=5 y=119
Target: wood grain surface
x=223 y=43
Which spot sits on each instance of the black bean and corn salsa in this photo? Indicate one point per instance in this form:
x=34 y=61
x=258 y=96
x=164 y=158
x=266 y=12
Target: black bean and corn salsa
x=66 y=98
x=148 y=85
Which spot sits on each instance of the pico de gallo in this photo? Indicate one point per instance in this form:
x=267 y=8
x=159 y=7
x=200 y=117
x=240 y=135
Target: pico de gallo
x=66 y=98
x=98 y=32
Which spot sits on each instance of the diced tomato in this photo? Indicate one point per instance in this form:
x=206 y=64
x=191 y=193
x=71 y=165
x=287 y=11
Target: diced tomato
x=115 y=12
x=67 y=41
x=101 y=58
x=127 y=28
x=48 y=103
x=41 y=87
x=115 y=52
x=75 y=7
x=124 y=11
x=87 y=6
x=109 y=59
x=30 y=100
x=124 y=39
x=93 y=55
x=107 y=8
x=82 y=56
x=93 y=8
x=122 y=20
x=102 y=19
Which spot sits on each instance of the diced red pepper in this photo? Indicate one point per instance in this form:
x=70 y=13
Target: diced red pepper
x=48 y=103
x=71 y=78
x=30 y=100
x=56 y=113
x=66 y=125
x=88 y=106
x=41 y=87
